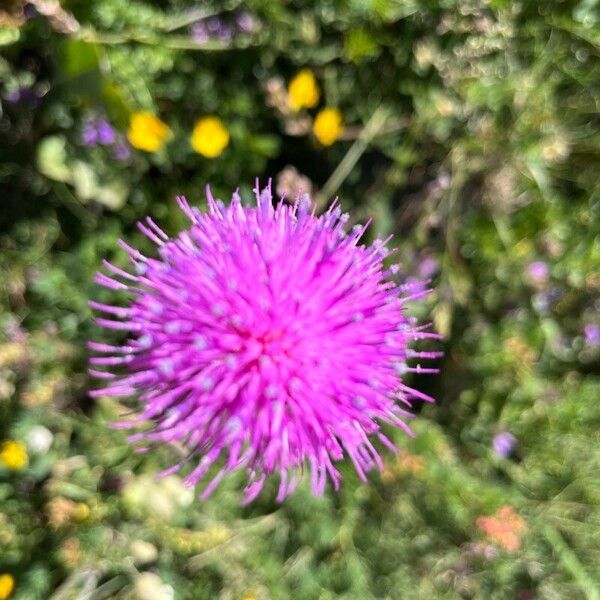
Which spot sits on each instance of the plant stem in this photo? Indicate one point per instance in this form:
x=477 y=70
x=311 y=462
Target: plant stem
x=371 y=129
x=571 y=563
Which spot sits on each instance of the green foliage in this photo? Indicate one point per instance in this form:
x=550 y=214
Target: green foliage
x=482 y=159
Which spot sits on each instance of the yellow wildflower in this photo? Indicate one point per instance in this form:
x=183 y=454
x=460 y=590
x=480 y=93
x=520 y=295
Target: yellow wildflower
x=328 y=126
x=209 y=137
x=81 y=511
x=147 y=132
x=303 y=90
x=13 y=455
x=7 y=585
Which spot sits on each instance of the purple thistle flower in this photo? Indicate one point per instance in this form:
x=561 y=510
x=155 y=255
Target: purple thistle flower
x=265 y=338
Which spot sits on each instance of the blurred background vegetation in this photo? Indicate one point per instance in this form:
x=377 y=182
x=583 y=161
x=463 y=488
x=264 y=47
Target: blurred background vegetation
x=466 y=128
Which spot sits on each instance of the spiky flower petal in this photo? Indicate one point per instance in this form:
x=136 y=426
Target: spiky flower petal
x=265 y=338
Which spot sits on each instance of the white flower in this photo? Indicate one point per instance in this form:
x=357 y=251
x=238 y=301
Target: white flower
x=39 y=439
x=149 y=586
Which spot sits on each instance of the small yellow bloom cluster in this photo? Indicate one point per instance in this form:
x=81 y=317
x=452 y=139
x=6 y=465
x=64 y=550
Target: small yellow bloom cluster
x=304 y=92
x=210 y=137
x=13 y=455
x=7 y=585
x=147 y=132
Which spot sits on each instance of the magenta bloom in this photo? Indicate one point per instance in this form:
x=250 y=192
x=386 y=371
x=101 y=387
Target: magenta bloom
x=265 y=338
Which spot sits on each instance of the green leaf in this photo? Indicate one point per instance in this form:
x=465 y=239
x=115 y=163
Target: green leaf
x=78 y=57
x=9 y=35
x=359 y=45
x=265 y=145
x=84 y=180
x=52 y=158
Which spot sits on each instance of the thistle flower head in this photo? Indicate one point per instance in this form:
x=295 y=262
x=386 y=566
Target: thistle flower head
x=264 y=338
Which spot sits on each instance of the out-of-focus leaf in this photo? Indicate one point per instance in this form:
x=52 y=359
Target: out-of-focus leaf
x=116 y=102
x=84 y=180
x=112 y=195
x=9 y=35
x=52 y=158
x=78 y=57
x=359 y=45
x=265 y=145
x=394 y=10
x=442 y=318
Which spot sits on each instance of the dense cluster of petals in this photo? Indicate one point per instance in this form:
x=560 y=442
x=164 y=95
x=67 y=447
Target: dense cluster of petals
x=263 y=338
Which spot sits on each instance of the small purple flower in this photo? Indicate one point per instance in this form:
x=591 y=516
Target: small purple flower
x=29 y=95
x=14 y=96
x=418 y=285
x=200 y=32
x=213 y=28
x=225 y=34
x=428 y=267
x=214 y=25
x=245 y=22
x=121 y=150
x=89 y=135
x=545 y=301
x=98 y=131
x=504 y=443
x=592 y=335
x=30 y=12
x=538 y=272
x=262 y=338
x=106 y=132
